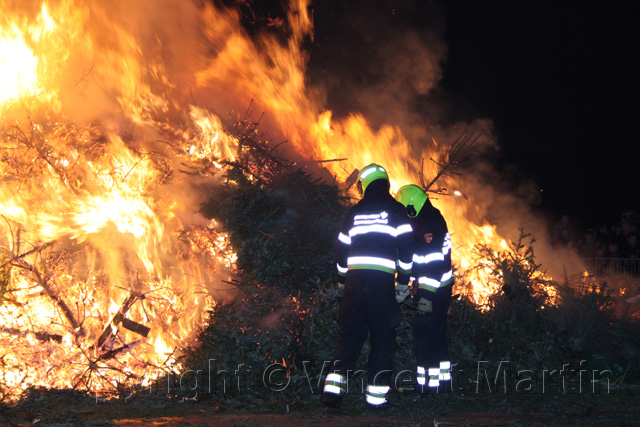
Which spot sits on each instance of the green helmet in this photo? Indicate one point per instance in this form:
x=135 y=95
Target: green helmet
x=413 y=199
x=370 y=173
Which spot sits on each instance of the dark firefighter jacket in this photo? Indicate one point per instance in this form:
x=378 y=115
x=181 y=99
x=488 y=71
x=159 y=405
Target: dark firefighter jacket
x=432 y=252
x=376 y=235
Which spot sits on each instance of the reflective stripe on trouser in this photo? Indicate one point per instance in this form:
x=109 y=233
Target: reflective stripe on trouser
x=335 y=383
x=377 y=394
x=445 y=371
x=429 y=337
x=434 y=377
x=368 y=309
x=422 y=376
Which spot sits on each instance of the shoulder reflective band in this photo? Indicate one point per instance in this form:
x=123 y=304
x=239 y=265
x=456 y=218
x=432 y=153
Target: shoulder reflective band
x=426 y=259
x=377 y=394
x=344 y=239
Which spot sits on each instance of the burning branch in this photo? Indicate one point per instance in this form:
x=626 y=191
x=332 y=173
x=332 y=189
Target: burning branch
x=96 y=370
x=259 y=159
x=113 y=353
x=456 y=157
x=43 y=280
x=42 y=336
x=330 y=160
x=30 y=141
x=120 y=319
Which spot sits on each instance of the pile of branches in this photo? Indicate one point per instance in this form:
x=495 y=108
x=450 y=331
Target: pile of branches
x=29 y=158
x=54 y=274
x=283 y=225
x=536 y=325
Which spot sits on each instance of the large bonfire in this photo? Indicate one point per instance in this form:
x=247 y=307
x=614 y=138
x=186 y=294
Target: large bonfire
x=110 y=126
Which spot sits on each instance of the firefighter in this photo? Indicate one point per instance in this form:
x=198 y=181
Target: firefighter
x=432 y=278
x=374 y=252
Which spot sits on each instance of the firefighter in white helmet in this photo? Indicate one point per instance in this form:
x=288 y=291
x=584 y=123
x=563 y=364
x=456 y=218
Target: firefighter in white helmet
x=432 y=283
x=374 y=252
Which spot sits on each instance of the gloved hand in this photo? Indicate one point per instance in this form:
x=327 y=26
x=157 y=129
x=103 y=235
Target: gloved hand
x=402 y=292
x=340 y=289
x=425 y=306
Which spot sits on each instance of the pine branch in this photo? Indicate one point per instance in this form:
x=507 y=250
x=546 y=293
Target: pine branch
x=456 y=157
x=43 y=281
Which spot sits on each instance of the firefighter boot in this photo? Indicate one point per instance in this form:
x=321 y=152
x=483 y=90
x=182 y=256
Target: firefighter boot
x=331 y=400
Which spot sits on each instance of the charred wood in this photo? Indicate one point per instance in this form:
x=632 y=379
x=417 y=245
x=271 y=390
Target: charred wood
x=120 y=319
x=42 y=336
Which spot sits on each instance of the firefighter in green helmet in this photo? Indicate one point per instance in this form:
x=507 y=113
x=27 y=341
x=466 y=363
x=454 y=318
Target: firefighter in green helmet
x=374 y=252
x=432 y=283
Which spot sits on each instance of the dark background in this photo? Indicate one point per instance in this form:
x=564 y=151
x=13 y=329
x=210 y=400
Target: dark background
x=557 y=78
x=560 y=81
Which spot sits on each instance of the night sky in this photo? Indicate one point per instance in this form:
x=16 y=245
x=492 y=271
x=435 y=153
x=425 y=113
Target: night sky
x=557 y=78
x=559 y=81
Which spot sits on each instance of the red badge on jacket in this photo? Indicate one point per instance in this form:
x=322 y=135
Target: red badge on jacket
x=428 y=237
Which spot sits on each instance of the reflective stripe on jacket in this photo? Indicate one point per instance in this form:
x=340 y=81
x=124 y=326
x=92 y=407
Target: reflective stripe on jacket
x=432 y=251
x=376 y=235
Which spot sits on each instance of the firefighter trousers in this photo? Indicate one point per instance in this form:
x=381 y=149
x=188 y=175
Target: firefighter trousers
x=430 y=344
x=368 y=309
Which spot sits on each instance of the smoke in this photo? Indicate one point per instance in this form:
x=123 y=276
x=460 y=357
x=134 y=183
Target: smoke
x=383 y=59
x=128 y=56
x=386 y=60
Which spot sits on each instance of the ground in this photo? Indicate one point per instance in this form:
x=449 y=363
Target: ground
x=58 y=409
